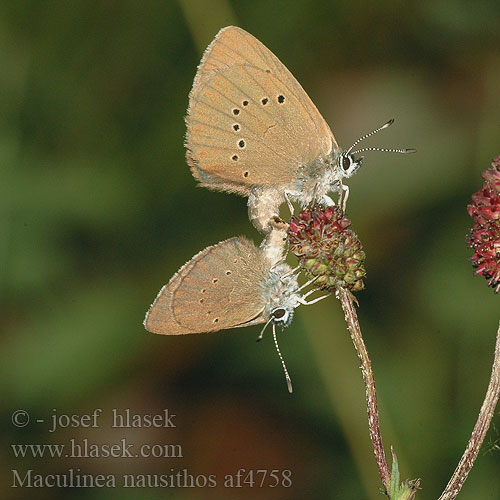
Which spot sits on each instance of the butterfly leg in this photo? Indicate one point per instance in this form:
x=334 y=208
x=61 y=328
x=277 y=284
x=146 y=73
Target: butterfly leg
x=307 y=283
x=292 y=271
x=346 y=196
x=326 y=201
x=287 y=198
x=311 y=302
x=311 y=291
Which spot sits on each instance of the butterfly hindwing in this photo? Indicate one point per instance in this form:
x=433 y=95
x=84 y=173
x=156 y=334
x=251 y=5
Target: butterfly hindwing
x=223 y=289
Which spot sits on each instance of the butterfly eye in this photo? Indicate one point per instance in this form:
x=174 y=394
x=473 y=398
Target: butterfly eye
x=278 y=313
x=346 y=162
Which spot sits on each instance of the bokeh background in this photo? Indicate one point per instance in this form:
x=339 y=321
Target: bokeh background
x=99 y=209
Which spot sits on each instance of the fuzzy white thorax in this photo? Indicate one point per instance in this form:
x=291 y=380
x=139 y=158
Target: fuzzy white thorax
x=281 y=292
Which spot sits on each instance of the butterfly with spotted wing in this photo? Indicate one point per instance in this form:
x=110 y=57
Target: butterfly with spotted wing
x=253 y=130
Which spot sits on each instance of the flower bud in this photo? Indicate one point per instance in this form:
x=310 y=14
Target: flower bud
x=327 y=249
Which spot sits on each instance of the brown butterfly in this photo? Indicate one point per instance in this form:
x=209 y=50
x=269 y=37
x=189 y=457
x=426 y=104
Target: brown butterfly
x=229 y=285
x=253 y=130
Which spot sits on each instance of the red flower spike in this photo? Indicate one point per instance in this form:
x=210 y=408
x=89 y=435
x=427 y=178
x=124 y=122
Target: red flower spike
x=484 y=237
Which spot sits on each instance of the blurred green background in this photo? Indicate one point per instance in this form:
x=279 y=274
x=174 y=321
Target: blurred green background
x=99 y=209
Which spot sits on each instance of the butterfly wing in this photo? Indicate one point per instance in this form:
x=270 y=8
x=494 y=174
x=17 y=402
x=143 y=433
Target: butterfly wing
x=160 y=317
x=249 y=122
x=219 y=288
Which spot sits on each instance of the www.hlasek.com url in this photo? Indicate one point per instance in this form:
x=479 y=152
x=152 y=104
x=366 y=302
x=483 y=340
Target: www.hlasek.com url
x=86 y=449
x=74 y=478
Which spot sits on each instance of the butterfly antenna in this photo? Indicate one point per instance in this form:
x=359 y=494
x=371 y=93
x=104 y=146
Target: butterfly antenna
x=386 y=150
x=288 y=379
x=261 y=334
x=385 y=125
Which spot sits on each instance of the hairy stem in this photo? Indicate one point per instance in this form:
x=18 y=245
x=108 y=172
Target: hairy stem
x=346 y=299
x=482 y=424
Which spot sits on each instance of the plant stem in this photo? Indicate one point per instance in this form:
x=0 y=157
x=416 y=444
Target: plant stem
x=346 y=300
x=483 y=422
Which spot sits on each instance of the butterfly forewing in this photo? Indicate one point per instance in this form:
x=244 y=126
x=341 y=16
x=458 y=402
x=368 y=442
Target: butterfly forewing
x=233 y=46
x=223 y=288
x=249 y=121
